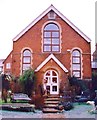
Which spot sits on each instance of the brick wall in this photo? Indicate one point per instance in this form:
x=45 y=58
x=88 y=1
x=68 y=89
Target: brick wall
x=33 y=39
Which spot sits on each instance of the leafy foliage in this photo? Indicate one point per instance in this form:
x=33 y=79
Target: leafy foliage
x=5 y=82
x=94 y=81
x=27 y=80
x=78 y=82
x=94 y=74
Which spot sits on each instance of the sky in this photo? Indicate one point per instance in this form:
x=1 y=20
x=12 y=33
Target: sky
x=15 y=15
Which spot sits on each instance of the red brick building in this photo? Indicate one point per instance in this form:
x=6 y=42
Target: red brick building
x=54 y=47
x=95 y=54
x=94 y=62
x=8 y=64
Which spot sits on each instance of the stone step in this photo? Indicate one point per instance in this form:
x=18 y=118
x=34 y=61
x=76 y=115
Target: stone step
x=53 y=96
x=52 y=99
x=50 y=110
x=51 y=102
x=51 y=106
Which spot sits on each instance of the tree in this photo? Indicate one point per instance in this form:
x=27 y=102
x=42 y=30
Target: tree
x=5 y=86
x=94 y=81
x=28 y=80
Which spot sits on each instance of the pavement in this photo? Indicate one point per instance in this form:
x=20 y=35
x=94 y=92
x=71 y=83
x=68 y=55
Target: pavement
x=79 y=111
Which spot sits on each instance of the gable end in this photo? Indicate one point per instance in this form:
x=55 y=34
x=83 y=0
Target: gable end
x=52 y=8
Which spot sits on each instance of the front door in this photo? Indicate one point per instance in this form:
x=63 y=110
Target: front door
x=52 y=84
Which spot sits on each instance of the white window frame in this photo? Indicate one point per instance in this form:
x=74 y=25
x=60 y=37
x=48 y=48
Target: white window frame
x=21 y=59
x=42 y=31
x=77 y=48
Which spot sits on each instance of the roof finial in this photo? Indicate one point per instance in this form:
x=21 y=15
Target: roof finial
x=51 y=4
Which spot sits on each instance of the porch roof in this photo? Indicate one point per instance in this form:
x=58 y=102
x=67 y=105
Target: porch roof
x=51 y=56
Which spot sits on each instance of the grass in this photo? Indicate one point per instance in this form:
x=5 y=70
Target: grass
x=2 y=101
x=8 y=101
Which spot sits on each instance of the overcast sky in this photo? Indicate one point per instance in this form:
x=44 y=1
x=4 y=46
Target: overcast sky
x=15 y=15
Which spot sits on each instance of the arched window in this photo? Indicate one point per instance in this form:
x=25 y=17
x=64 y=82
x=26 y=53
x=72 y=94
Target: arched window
x=51 y=38
x=26 y=60
x=76 y=63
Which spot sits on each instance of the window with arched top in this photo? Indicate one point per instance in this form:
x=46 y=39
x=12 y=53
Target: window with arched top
x=76 y=63
x=51 y=38
x=26 y=60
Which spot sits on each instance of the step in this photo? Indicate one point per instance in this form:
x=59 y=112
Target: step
x=51 y=102
x=52 y=99
x=50 y=110
x=50 y=106
x=53 y=96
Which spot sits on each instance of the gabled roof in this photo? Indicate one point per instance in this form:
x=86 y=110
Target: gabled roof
x=58 y=13
x=7 y=57
x=51 y=56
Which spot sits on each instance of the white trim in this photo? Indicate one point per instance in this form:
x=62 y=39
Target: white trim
x=58 y=13
x=51 y=56
x=77 y=49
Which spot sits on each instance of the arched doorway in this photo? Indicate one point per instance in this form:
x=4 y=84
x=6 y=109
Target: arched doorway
x=52 y=83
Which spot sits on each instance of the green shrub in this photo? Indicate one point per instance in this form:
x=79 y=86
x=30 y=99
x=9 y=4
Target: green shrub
x=94 y=81
x=27 y=81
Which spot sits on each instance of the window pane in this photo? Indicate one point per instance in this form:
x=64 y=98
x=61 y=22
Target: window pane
x=76 y=74
x=55 y=48
x=51 y=27
x=26 y=60
x=48 y=73
x=76 y=60
x=47 y=48
x=53 y=73
x=47 y=41
x=76 y=66
x=55 y=34
x=26 y=53
x=47 y=34
x=8 y=65
x=54 y=79
x=76 y=53
x=55 y=41
x=26 y=66
x=54 y=88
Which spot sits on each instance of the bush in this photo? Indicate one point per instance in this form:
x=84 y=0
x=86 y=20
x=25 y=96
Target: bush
x=38 y=100
x=28 y=80
x=68 y=106
x=94 y=81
